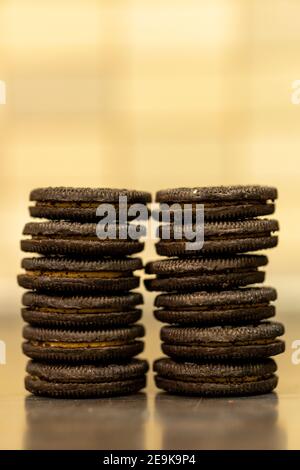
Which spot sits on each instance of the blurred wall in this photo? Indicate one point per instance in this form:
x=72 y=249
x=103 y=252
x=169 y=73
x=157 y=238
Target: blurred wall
x=149 y=94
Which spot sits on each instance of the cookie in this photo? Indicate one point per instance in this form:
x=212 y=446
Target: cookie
x=75 y=239
x=194 y=274
x=80 y=204
x=222 y=202
x=81 y=312
x=223 y=342
x=229 y=307
x=222 y=238
x=215 y=380
x=82 y=346
x=65 y=276
x=85 y=381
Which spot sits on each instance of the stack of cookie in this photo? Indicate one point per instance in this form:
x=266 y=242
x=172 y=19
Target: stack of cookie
x=219 y=341
x=81 y=334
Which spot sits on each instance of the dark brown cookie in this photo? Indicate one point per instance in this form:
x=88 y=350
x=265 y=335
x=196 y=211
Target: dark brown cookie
x=195 y=283
x=209 y=379
x=221 y=202
x=223 y=342
x=66 y=276
x=85 y=381
x=75 y=239
x=80 y=204
x=229 y=307
x=82 y=346
x=217 y=194
x=81 y=312
x=220 y=238
x=191 y=274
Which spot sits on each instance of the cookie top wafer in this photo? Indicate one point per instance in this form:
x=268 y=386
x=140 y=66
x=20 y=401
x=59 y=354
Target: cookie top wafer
x=87 y=373
x=69 y=229
x=244 y=296
x=176 y=266
x=189 y=371
x=62 y=336
x=67 y=194
x=222 y=334
x=74 y=265
x=217 y=193
x=116 y=302
x=206 y=265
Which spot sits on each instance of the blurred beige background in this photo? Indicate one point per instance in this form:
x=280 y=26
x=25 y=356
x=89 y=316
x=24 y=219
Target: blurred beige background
x=149 y=94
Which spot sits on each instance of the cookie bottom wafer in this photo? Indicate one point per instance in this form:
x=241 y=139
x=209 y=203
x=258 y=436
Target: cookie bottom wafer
x=215 y=389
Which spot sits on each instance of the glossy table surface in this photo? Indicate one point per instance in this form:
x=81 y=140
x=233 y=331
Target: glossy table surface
x=151 y=419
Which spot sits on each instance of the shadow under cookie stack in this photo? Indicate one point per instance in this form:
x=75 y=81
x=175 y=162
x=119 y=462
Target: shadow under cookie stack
x=219 y=339
x=82 y=335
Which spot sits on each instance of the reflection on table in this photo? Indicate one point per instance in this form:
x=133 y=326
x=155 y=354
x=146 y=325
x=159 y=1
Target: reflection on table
x=114 y=423
x=237 y=423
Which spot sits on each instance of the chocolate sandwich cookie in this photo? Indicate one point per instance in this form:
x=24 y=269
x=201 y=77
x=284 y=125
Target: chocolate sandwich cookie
x=80 y=204
x=200 y=273
x=238 y=306
x=65 y=276
x=213 y=380
x=221 y=238
x=85 y=381
x=75 y=239
x=105 y=346
x=222 y=202
x=81 y=312
x=223 y=342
